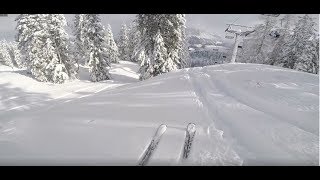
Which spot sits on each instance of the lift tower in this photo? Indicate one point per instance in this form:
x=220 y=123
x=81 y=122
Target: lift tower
x=238 y=33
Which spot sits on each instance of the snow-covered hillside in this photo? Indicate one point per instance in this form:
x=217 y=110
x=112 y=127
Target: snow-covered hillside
x=245 y=114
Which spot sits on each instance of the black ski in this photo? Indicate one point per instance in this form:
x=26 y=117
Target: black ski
x=153 y=144
x=190 y=133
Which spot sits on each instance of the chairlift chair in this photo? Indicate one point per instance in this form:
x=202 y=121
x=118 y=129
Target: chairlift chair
x=229 y=35
x=275 y=33
x=240 y=45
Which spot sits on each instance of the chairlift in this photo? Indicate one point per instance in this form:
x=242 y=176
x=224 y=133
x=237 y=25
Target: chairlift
x=240 y=45
x=274 y=33
x=242 y=30
x=229 y=35
x=246 y=33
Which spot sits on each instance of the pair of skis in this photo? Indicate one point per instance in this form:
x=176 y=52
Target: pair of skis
x=190 y=133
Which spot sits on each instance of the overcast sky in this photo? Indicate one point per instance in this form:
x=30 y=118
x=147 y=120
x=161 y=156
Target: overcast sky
x=214 y=23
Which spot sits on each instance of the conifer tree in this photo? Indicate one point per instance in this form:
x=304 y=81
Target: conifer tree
x=171 y=28
x=45 y=46
x=61 y=43
x=5 y=57
x=16 y=56
x=97 y=49
x=134 y=45
x=112 y=49
x=161 y=62
x=257 y=46
x=301 y=49
x=79 y=25
x=123 y=43
x=285 y=36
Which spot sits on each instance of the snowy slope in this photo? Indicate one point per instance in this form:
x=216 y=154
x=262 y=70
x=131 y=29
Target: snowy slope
x=245 y=114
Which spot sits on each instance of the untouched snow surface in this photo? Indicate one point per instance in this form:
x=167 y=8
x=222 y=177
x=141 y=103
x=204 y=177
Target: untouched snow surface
x=245 y=114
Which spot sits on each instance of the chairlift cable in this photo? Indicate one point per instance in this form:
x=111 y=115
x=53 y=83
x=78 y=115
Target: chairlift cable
x=235 y=20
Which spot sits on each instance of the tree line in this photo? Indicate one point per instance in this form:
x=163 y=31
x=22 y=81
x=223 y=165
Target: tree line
x=296 y=47
x=155 y=41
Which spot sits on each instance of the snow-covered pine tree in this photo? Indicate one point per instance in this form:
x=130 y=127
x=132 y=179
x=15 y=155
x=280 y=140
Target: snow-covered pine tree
x=134 y=45
x=148 y=25
x=146 y=68
x=171 y=28
x=60 y=39
x=123 y=43
x=79 y=31
x=27 y=25
x=112 y=49
x=142 y=59
x=55 y=70
x=161 y=62
x=44 y=43
x=42 y=55
x=275 y=55
x=301 y=50
x=15 y=54
x=315 y=56
x=310 y=60
x=5 y=57
x=10 y=51
x=259 y=44
x=97 y=48
x=184 y=54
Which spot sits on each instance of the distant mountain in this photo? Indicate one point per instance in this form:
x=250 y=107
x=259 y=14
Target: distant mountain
x=197 y=36
x=206 y=48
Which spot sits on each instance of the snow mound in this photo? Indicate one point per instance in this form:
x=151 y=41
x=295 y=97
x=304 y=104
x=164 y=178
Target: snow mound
x=245 y=114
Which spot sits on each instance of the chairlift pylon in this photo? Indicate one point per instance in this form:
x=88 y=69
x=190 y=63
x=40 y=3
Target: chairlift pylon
x=240 y=32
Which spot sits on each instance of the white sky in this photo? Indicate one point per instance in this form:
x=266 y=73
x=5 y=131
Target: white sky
x=213 y=23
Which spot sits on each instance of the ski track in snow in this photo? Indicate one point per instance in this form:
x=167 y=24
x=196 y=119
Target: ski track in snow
x=239 y=102
x=169 y=149
x=215 y=135
x=211 y=93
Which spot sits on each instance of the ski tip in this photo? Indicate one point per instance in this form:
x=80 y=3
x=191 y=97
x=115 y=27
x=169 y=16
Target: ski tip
x=161 y=129
x=191 y=127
